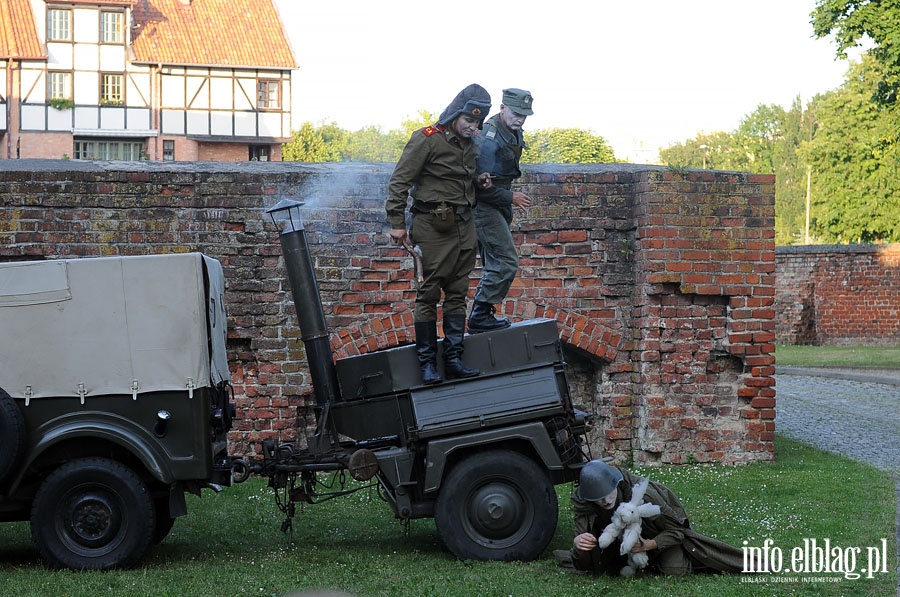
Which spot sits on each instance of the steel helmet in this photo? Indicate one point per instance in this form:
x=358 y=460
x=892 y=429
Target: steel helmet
x=597 y=480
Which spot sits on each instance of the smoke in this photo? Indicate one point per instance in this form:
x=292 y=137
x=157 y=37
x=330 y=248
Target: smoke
x=344 y=184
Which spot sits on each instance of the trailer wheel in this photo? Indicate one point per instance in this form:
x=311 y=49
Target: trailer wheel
x=497 y=505
x=92 y=514
x=12 y=435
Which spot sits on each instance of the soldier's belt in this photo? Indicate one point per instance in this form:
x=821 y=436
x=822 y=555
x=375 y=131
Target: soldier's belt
x=422 y=207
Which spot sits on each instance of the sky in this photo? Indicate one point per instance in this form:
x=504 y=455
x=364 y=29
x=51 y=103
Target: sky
x=643 y=74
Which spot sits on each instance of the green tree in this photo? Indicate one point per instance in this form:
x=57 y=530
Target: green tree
x=855 y=155
x=852 y=22
x=325 y=143
x=370 y=144
x=790 y=162
x=566 y=146
x=715 y=151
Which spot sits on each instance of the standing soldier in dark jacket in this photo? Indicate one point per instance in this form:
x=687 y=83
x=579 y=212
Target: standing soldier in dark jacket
x=673 y=547
x=500 y=147
x=437 y=172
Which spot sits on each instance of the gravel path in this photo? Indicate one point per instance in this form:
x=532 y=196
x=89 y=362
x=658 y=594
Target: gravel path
x=849 y=411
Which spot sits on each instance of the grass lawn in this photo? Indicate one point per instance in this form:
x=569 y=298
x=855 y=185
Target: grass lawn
x=231 y=543
x=887 y=357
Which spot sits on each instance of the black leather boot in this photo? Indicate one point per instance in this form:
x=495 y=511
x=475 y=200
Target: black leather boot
x=454 y=330
x=482 y=319
x=426 y=348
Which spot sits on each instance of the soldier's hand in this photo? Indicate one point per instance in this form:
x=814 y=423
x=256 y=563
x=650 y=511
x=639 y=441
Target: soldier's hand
x=520 y=200
x=483 y=180
x=585 y=542
x=643 y=545
x=398 y=235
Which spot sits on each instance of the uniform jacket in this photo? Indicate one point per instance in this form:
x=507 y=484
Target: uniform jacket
x=499 y=150
x=670 y=528
x=434 y=166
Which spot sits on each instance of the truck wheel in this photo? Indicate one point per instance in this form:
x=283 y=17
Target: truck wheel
x=12 y=435
x=92 y=514
x=497 y=505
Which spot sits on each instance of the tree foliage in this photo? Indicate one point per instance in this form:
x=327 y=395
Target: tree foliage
x=329 y=143
x=854 y=156
x=851 y=22
x=566 y=146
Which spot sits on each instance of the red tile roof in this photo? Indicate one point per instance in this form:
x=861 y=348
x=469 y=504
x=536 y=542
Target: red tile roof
x=18 y=36
x=245 y=33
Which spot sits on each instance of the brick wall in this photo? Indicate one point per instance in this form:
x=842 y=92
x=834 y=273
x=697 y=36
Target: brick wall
x=662 y=283
x=838 y=295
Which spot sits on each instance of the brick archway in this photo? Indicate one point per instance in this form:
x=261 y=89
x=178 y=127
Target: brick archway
x=591 y=337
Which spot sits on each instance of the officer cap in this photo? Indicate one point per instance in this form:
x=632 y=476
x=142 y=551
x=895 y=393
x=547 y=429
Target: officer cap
x=518 y=100
x=474 y=100
x=597 y=480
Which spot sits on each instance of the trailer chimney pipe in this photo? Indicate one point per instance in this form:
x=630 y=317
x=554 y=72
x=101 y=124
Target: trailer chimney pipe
x=307 y=302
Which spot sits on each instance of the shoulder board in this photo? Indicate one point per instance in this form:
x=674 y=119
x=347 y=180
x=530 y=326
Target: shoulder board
x=490 y=133
x=430 y=130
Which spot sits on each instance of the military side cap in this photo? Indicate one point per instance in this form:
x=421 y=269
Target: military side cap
x=518 y=100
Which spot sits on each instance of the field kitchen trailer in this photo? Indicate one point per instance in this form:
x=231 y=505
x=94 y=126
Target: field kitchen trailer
x=480 y=455
x=114 y=400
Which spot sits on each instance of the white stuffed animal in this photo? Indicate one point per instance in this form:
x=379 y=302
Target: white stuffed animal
x=626 y=521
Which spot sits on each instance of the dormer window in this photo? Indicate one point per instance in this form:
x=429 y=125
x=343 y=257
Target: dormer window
x=59 y=24
x=111 y=27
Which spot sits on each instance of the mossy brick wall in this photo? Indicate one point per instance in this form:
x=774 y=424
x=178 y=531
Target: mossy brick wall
x=838 y=295
x=662 y=282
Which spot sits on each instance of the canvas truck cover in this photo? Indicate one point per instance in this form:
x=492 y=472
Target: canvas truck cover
x=111 y=325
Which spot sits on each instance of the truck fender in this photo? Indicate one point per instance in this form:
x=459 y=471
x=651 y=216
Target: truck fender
x=533 y=433
x=12 y=435
x=132 y=438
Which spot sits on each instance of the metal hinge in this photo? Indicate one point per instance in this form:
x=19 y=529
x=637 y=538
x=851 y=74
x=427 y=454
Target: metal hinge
x=81 y=392
x=29 y=393
x=190 y=387
x=135 y=386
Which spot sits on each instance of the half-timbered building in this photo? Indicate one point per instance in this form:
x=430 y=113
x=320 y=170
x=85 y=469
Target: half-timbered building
x=144 y=79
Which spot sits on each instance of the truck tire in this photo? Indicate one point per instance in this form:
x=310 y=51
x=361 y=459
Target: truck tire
x=496 y=505
x=12 y=435
x=92 y=514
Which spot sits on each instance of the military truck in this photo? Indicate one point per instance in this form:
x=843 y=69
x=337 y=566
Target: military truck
x=479 y=455
x=114 y=400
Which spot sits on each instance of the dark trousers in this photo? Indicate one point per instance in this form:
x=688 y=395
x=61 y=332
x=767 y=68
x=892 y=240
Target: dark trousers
x=447 y=260
x=499 y=259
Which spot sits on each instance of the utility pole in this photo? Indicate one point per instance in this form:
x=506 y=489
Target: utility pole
x=808 y=181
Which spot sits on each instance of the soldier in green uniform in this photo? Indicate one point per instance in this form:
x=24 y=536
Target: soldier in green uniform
x=673 y=547
x=500 y=146
x=436 y=171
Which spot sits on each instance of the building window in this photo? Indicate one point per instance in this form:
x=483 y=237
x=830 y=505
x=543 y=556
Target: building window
x=168 y=150
x=60 y=86
x=111 y=27
x=259 y=153
x=59 y=24
x=108 y=149
x=268 y=94
x=111 y=89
